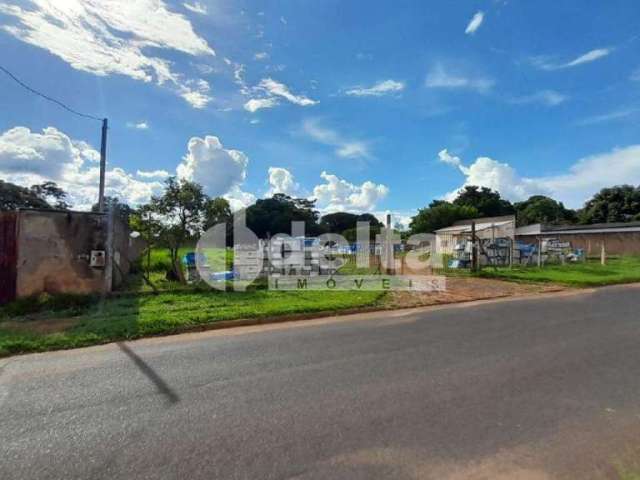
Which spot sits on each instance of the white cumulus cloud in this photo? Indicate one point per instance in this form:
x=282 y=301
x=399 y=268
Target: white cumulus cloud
x=583 y=179
x=379 y=89
x=208 y=163
x=337 y=194
x=474 y=23
x=445 y=157
x=113 y=37
x=27 y=158
x=281 y=181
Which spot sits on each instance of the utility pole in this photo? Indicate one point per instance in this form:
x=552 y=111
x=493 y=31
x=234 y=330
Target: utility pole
x=103 y=164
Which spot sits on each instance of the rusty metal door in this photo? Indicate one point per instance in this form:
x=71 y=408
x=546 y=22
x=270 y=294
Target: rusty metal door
x=8 y=256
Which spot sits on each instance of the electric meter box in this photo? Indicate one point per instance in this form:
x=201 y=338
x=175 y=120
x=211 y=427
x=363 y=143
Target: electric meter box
x=98 y=259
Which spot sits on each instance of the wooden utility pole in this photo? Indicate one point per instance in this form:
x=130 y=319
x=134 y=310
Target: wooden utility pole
x=103 y=165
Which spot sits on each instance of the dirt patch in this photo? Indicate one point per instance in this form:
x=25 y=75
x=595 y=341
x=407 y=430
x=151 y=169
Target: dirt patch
x=464 y=289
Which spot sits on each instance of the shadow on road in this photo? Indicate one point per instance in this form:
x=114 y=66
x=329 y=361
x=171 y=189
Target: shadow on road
x=150 y=373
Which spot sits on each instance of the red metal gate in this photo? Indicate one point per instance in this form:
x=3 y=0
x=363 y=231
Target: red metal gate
x=8 y=256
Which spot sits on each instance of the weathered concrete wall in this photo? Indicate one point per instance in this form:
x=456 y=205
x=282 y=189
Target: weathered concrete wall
x=614 y=243
x=54 y=252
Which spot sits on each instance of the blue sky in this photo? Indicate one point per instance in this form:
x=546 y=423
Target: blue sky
x=372 y=106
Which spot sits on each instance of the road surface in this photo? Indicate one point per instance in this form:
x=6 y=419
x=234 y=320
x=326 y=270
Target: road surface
x=535 y=389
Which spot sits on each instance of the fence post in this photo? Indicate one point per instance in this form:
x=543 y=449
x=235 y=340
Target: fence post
x=539 y=252
x=474 y=248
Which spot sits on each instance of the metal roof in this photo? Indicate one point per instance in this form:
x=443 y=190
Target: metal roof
x=480 y=226
x=614 y=227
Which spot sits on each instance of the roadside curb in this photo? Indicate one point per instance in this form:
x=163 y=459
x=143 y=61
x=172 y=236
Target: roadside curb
x=351 y=312
x=338 y=315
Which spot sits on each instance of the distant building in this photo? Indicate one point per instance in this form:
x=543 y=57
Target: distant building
x=617 y=238
x=59 y=251
x=487 y=228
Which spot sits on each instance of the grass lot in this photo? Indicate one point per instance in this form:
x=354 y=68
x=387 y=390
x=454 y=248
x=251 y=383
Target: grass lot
x=588 y=274
x=160 y=261
x=51 y=323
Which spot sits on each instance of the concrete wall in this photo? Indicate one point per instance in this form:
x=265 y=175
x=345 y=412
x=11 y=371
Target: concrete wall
x=615 y=243
x=54 y=249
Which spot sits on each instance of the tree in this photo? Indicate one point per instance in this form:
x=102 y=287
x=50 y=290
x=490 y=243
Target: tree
x=37 y=196
x=181 y=210
x=52 y=194
x=487 y=202
x=339 y=222
x=616 y=204
x=270 y=216
x=216 y=210
x=440 y=214
x=144 y=221
x=119 y=209
x=541 y=209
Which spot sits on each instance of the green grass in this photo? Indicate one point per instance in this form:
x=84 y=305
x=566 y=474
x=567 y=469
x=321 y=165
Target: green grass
x=135 y=316
x=584 y=274
x=627 y=464
x=625 y=475
x=160 y=261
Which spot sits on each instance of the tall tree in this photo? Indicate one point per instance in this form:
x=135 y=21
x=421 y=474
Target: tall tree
x=616 y=204
x=216 y=210
x=541 y=209
x=440 y=214
x=37 y=196
x=181 y=208
x=338 y=222
x=52 y=194
x=270 y=216
x=487 y=202
x=145 y=221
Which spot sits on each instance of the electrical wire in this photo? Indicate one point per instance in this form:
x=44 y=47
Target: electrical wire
x=46 y=97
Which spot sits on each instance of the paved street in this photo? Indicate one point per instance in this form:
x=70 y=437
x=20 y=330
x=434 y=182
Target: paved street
x=534 y=388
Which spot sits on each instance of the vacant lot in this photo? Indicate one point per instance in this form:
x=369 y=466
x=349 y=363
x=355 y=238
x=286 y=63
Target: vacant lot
x=50 y=323
x=68 y=322
x=584 y=274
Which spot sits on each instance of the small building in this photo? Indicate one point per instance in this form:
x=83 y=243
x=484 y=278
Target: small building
x=487 y=228
x=616 y=238
x=60 y=251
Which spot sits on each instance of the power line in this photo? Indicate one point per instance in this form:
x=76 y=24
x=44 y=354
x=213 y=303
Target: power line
x=46 y=97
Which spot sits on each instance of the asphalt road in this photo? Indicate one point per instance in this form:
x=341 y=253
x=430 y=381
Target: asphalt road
x=535 y=389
